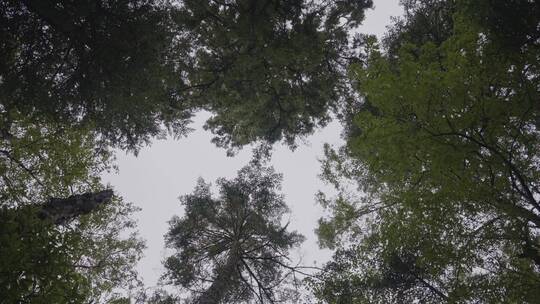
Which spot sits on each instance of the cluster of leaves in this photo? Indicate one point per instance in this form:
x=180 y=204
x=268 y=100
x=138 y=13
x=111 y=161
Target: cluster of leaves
x=84 y=260
x=39 y=160
x=99 y=64
x=267 y=70
x=36 y=262
x=88 y=261
x=81 y=261
x=445 y=156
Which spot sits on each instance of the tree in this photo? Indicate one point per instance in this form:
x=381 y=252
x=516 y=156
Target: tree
x=267 y=70
x=445 y=156
x=234 y=248
x=104 y=65
x=40 y=160
x=72 y=250
x=57 y=245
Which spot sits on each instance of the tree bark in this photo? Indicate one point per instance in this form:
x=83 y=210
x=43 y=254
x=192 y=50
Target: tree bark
x=62 y=210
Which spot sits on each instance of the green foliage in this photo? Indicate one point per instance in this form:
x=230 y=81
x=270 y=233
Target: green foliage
x=234 y=248
x=267 y=70
x=39 y=160
x=131 y=70
x=513 y=25
x=438 y=183
x=445 y=158
x=87 y=261
x=109 y=248
x=36 y=264
x=423 y=21
x=99 y=64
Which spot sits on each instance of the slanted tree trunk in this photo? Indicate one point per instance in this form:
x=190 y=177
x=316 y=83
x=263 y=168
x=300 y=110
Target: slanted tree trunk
x=62 y=210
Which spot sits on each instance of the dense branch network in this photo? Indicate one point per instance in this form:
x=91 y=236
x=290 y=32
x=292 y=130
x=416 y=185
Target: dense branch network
x=234 y=249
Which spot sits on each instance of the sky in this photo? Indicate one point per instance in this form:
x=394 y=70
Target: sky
x=169 y=168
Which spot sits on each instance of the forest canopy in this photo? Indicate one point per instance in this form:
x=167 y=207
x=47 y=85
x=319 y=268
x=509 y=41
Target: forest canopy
x=437 y=185
x=444 y=153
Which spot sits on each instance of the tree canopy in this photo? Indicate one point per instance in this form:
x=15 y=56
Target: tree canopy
x=78 y=78
x=233 y=248
x=132 y=70
x=445 y=158
x=268 y=70
x=99 y=64
x=81 y=249
x=59 y=243
x=438 y=184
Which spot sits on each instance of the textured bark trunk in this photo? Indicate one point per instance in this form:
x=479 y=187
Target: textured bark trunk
x=62 y=210
x=224 y=281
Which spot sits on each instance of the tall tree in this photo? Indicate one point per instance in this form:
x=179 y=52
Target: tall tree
x=267 y=70
x=99 y=64
x=57 y=245
x=446 y=156
x=234 y=248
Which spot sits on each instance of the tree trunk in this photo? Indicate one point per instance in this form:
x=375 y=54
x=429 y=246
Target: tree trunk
x=62 y=210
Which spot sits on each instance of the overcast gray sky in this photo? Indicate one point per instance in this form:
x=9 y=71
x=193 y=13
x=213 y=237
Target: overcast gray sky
x=169 y=168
